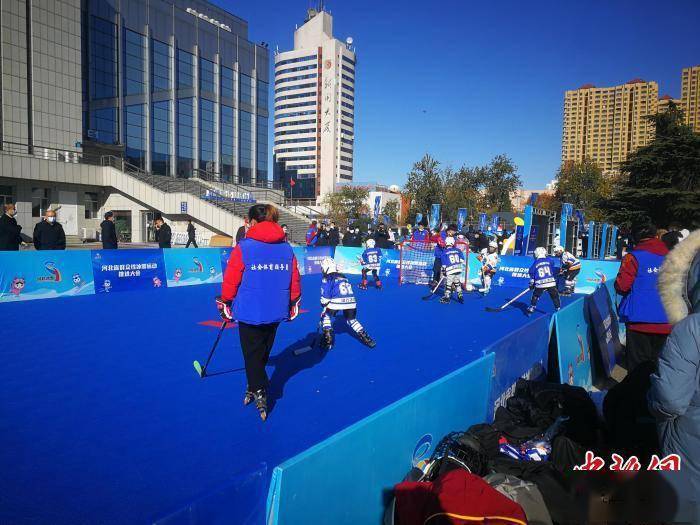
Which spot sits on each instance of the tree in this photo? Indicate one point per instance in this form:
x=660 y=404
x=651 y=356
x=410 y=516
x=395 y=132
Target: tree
x=501 y=182
x=547 y=201
x=424 y=185
x=349 y=202
x=660 y=181
x=462 y=189
x=391 y=209
x=583 y=185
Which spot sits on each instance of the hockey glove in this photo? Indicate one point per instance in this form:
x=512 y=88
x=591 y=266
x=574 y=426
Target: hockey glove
x=294 y=309
x=224 y=308
x=532 y=285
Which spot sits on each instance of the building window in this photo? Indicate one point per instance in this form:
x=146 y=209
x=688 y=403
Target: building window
x=92 y=205
x=261 y=149
x=104 y=126
x=227 y=144
x=262 y=94
x=103 y=58
x=40 y=201
x=160 y=133
x=227 y=86
x=185 y=69
x=135 y=135
x=185 y=137
x=245 y=147
x=246 y=89
x=6 y=195
x=161 y=66
x=206 y=135
x=206 y=76
x=134 y=63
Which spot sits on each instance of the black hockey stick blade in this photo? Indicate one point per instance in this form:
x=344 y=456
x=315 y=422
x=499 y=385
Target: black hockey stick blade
x=506 y=305
x=432 y=292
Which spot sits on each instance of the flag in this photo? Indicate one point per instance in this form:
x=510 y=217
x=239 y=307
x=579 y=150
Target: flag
x=377 y=205
x=419 y=218
x=434 y=216
x=482 y=222
x=292 y=182
x=461 y=218
x=495 y=219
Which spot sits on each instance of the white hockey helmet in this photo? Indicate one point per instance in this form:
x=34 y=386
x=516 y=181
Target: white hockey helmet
x=449 y=241
x=328 y=266
x=540 y=253
x=558 y=250
x=370 y=243
x=493 y=244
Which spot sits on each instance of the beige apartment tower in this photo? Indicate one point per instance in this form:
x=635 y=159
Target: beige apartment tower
x=607 y=124
x=690 y=96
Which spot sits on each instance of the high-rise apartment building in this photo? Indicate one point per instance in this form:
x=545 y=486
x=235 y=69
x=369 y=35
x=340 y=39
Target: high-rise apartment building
x=690 y=96
x=607 y=124
x=314 y=110
x=665 y=103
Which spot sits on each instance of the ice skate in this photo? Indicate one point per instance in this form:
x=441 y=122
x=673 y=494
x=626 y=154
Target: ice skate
x=366 y=339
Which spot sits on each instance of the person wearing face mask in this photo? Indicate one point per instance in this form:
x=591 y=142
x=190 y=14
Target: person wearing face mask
x=49 y=234
x=10 y=238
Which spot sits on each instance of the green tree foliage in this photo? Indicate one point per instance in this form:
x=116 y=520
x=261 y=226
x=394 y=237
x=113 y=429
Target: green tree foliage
x=391 y=209
x=424 y=185
x=661 y=181
x=501 y=182
x=348 y=202
x=462 y=189
x=583 y=185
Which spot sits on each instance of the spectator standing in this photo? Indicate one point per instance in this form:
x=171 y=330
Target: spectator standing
x=333 y=235
x=323 y=237
x=259 y=300
x=483 y=241
x=241 y=232
x=312 y=234
x=191 y=235
x=420 y=234
x=641 y=309
x=163 y=234
x=49 y=234
x=10 y=231
x=108 y=232
x=381 y=237
x=674 y=398
x=286 y=233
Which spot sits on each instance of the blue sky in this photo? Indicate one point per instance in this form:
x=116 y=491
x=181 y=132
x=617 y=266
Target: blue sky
x=467 y=80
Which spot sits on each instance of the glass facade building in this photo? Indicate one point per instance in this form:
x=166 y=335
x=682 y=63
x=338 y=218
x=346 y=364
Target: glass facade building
x=174 y=88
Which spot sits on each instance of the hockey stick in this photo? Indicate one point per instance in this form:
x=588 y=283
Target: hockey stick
x=432 y=292
x=308 y=348
x=203 y=371
x=500 y=308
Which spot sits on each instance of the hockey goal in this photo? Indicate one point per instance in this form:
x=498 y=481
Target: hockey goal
x=416 y=261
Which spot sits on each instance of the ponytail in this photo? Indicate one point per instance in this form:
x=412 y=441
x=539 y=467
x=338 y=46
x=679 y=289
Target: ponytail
x=263 y=212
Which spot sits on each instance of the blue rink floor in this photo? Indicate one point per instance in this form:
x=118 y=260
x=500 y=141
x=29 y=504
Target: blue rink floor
x=104 y=420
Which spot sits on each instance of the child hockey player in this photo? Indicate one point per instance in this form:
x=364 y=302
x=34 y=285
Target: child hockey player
x=371 y=260
x=570 y=267
x=542 y=279
x=337 y=295
x=489 y=264
x=452 y=267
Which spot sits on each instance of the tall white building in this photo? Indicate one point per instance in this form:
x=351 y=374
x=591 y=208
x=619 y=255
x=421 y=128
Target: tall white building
x=314 y=111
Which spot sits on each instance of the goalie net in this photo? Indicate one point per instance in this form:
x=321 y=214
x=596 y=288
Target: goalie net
x=417 y=259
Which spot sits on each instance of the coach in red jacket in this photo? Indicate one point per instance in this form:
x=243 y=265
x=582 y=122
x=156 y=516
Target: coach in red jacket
x=261 y=288
x=641 y=309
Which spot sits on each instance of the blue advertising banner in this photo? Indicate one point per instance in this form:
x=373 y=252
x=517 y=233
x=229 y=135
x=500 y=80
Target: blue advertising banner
x=225 y=254
x=377 y=205
x=419 y=218
x=45 y=274
x=527 y=227
x=434 y=216
x=591 y=230
x=347 y=259
x=613 y=242
x=534 y=229
x=461 y=218
x=518 y=239
x=495 y=220
x=482 y=222
x=581 y=221
x=603 y=319
x=566 y=212
x=533 y=198
x=390 y=264
x=125 y=270
x=603 y=241
x=193 y=266
x=574 y=346
x=309 y=259
x=594 y=272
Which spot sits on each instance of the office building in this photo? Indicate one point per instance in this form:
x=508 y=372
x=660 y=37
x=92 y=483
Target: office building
x=690 y=96
x=314 y=111
x=607 y=124
x=103 y=102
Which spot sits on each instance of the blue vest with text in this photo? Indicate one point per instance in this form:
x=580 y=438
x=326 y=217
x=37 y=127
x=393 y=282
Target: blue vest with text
x=263 y=295
x=643 y=303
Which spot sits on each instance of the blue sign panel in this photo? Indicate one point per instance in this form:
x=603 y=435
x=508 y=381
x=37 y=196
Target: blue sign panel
x=434 y=216
x=124 y=270
x=603 y=319
x=390 y=264
x=482 y=222
x=44 y=275
x=347 y=259
x=193 y=266
x=377 y=205
x=225 y=254
x=461 y=218
x=309 y=259
x=574 y=346
x=419 y=218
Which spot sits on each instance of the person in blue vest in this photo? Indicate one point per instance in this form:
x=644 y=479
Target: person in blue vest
x=337 y=296
x=570 y=268
x=261 y=288
x=543 y=279
x=640 y=308
x=371 y=261
x=312 y=234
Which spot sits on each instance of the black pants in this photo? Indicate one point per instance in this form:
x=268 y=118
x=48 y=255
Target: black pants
x=553 y=294
x=437 y=266
x=256 y=343
x=191 y=241
x=643 y=347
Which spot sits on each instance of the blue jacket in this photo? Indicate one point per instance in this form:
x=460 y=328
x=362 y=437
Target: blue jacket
x=452 y=260
x=542 y=274
x=419 y=235
x=643 y=303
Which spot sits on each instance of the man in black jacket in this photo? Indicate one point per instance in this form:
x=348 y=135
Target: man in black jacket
x=49 y=234
x=109 y=232
x=381 y=237
x=10 y=238
x=191 y=235
x=333 y=235
x=163 y=234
